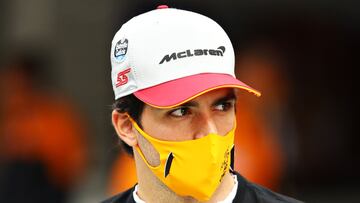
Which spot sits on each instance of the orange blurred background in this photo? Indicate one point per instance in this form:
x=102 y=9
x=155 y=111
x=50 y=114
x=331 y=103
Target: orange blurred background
x=298 y=138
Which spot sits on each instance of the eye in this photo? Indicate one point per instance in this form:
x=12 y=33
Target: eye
x=224 y=106
x=179 y=112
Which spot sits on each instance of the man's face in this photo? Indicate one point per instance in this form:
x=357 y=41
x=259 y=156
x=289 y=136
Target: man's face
x=212 y=112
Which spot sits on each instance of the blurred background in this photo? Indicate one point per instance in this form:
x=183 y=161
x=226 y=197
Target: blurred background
x=299 y=138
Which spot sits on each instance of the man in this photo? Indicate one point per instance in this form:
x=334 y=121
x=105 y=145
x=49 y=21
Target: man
x=175 y=90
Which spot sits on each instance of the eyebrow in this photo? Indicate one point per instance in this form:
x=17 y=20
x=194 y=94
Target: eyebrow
x=227 y=97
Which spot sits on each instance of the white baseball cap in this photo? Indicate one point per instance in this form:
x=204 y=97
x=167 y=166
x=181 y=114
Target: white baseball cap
x=168 y=56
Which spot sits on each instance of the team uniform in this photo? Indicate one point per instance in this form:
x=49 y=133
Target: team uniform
x=246 y=192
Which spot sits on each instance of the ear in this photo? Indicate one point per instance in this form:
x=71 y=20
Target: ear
x=124 y=128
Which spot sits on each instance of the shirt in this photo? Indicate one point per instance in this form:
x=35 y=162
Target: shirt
x=228 y=199
x=246 y=192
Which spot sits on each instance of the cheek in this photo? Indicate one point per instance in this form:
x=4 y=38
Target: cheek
x=170 y=131
x=161 y=128
x=225 y=123
x=165 y=130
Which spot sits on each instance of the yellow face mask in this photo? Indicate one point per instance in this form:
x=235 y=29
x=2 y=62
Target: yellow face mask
x=194 y=167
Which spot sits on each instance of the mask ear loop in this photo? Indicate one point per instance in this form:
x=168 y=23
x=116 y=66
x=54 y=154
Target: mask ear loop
x=168 y=160
x=130 y=118
x=136 y=126
x=232 y=158
x=232 y=152
x=138 y=149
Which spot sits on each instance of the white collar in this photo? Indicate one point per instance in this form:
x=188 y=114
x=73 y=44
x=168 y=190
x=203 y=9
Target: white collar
x=228 y=199
x=232 y=194
x=136 y=197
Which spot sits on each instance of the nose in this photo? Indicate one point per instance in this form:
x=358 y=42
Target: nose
x=206 y=126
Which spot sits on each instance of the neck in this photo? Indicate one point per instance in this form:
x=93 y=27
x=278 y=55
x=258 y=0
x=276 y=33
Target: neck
x=151 y=189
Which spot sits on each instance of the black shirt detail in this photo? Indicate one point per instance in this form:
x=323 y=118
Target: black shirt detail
x=247 y=192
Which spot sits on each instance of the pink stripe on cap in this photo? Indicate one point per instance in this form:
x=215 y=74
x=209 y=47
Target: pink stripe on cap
x=181 y=90
x=162 y=6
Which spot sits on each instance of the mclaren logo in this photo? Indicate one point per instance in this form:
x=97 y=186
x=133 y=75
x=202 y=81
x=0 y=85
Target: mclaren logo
x=190 y=53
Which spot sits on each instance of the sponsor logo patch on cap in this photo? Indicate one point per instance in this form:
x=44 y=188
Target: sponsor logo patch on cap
x=120 y=50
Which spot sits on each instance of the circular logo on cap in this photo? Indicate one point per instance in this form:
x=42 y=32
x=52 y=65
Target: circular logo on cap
x=120 y=50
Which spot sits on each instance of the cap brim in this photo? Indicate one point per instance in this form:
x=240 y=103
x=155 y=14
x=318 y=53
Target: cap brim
x=182 y=90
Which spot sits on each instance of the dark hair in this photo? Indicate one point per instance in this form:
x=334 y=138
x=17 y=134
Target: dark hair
x=134 y=107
